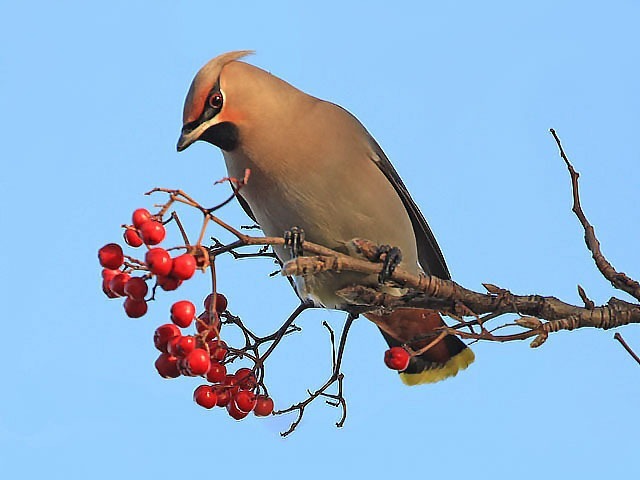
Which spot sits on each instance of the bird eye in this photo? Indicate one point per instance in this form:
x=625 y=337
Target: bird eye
x=215 y=100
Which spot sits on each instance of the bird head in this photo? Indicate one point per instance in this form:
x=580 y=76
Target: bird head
x=207 y=115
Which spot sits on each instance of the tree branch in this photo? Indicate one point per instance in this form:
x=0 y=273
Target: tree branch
x=618 y=279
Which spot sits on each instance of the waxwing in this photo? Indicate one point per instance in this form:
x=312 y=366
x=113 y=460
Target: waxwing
x=314 y=166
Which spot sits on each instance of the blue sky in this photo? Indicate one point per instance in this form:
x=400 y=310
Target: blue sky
x=460 y=95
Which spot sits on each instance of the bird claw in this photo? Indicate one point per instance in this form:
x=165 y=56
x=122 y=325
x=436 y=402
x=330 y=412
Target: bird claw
x=392 y=258
x=294 y=239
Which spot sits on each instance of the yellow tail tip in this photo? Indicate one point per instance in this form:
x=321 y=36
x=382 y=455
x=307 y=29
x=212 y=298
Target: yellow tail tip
x=450 y=369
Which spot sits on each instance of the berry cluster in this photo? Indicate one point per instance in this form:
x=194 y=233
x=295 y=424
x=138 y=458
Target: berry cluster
x=203 y=353
x=169 y=272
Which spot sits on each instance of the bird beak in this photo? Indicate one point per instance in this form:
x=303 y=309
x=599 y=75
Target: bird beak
x=190 y=135
x=185 y=140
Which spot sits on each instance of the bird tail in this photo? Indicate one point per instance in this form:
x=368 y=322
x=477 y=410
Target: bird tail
x=442 y=360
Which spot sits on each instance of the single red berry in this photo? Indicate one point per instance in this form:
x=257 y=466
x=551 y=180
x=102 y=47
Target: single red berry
x=397 y=358
x=264 y=406
x=205 y=396
x=219 y=350
x=135 y=308
x=224 y=396
x=245 y=400
x=184 y=266
x=111 y=256
x=181 y=346
x=198 y=362
x=217 y=372
x=183 y=313
x=140 y=216
x=246 y=379
x=118 y=283
x=167 y=366
x=159 y=261
x=163 y=334
x=221 y=302
x=168 y=283
x=132 y=238
x=136 y=288
x=235 y=412
x=152 y=232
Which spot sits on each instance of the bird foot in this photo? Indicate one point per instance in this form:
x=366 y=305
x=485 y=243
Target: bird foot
x=294 y=239
x=391 y=258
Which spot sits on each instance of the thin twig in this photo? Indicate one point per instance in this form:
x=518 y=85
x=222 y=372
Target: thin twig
x=618 y=337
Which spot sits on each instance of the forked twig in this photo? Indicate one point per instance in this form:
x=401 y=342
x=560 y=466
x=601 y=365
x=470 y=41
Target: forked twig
x=336 y=376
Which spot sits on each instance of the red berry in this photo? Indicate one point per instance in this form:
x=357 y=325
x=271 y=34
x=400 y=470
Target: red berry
x=221 y=302
x=245 y=400
x=181 y=346
x=198 y=362
x=219 y=351
x=135 y=308
x=136 y=288
x=167 y=366
x=118 y=283
x=168 y=283
x=111 y=256
x=152 y=232
x=183 y=313
x=217 y=372
x=246 y=379
x=159 y=261
x=163 y=334
x=205 y=396
x=224 y=396
x=132 y=238
x=184 y=266
x=235 y=412
x=397 y=358
x=264 y=406
x=140 y=216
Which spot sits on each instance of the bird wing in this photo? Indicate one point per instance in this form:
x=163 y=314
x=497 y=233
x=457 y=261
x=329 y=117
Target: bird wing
x=429 y=253
x=244 y=204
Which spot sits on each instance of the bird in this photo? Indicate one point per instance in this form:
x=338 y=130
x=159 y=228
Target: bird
x=315 y=167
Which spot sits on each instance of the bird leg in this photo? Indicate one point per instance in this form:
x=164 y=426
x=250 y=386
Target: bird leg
x=294 y=239
x=391 y=258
